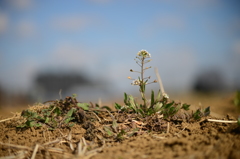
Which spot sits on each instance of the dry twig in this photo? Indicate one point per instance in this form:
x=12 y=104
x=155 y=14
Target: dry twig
x=168 y=127
x=221 y=121
x=16 y=146
x=35 y=151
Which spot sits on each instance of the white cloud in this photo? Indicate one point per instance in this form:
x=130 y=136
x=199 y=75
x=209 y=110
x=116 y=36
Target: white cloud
x=3 y=23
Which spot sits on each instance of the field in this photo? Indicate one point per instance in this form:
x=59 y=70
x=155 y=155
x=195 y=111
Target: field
x=109 y=134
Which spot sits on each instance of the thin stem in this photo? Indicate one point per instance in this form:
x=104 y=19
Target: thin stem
x=142 y=84
x=138 y=64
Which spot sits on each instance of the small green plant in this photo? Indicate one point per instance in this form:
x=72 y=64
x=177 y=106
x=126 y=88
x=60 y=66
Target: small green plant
x=201 y=113
x=160 y=104
x=153 y=105
x=141 y=81
x=59 y=114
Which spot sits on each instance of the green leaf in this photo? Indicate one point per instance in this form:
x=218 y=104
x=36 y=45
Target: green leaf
x=150 y=112
x=197 y=115
x=117 y=106
x=70 y=112
x=157 y=107
x=132 y=103
x=172 y=110
x=141 y=111
x=166 y=106
x=58 y=111
x=46 y=112
x=84 y=106
x=22 y=126
x=106 y=107
x=97 y=106
x=126 y=98
x=68 y=119
x=38 y=125
x=206 y=111
x=158 y=96
x=47 y=119
x=152 y=98
x=30 y=123
x=185 y=106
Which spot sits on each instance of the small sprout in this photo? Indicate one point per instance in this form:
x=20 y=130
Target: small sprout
x=201 y=113
x=197 y=115
x=185 y=106
x=206 y=111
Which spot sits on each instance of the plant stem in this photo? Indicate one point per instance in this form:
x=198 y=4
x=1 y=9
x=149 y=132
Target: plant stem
x=142 y=85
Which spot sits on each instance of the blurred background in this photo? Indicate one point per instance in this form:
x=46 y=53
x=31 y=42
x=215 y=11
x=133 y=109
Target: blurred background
x=87 y=47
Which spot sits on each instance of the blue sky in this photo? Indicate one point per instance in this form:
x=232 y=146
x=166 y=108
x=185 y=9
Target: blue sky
x=102 y=37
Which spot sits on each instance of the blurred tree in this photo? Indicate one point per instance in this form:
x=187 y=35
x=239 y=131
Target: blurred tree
x=209 y=81
x=53 y=82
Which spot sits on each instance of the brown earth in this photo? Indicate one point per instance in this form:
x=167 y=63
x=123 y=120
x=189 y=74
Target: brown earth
x=180 y=139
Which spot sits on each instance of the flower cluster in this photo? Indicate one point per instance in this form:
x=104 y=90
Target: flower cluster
x=136 y=82
x=144 y=54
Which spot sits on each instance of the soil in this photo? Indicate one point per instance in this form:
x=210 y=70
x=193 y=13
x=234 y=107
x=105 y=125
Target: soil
x=168 y=139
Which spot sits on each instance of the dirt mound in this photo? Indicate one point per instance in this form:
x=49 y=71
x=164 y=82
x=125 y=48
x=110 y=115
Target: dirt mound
x=103 y=134
x=198 y=140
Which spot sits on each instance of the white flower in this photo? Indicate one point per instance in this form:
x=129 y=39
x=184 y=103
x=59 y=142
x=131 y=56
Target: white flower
x=135 y=82
x=144 y=54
